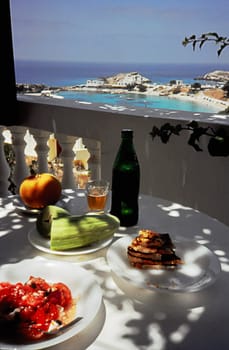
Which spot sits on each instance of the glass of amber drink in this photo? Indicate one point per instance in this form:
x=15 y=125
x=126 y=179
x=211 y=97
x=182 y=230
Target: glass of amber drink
x=97 y=192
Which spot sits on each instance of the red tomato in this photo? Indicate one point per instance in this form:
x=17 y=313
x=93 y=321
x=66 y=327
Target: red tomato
x=30 y=331
x=65 y=294
x=37 y=303
x=38 y=283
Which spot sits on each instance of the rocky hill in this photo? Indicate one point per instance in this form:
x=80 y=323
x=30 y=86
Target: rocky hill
x=131 y=77
x=217 y=75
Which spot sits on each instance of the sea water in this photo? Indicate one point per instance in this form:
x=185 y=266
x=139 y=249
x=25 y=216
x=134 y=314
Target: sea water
x=69 y=74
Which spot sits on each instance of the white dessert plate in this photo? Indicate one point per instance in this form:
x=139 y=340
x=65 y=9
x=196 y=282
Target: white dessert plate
x=43 y=244
x=81 y=283
x=20 y=206
x=200 y=269
x=74 y=202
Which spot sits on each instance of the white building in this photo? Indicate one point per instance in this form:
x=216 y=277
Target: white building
x=94 y=82
x=132 y=79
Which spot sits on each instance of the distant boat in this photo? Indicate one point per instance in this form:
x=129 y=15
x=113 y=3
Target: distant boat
x=49 y=93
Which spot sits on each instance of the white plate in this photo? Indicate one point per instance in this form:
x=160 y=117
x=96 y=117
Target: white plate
x=81 y=283
x=43 y=244
x=20 y=206
x=200 y=269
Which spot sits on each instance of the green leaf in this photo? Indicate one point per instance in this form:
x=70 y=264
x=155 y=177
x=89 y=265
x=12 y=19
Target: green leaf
x=192 y=142
x=177 y=129
x=218 y=147
x=193 y=124
x=194 y=45
x=213 y=34
x=202 y=43
x=221 y=49
x=154 y=132
x=185 y=41
x=165 y=136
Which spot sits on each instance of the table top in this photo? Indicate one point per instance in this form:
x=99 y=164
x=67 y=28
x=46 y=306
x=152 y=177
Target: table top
x=130 y=316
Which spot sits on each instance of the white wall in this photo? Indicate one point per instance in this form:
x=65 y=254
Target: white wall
x=174 y=171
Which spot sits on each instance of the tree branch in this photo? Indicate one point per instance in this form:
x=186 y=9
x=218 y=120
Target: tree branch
x=218 y=144
x=221 y=41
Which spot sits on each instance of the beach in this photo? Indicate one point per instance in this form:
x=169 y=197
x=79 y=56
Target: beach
x=69 y=81
x=199 y=98
x=205 y=98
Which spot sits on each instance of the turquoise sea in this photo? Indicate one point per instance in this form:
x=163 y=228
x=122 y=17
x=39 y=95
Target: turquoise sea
x=68 y=74
x=138 y=100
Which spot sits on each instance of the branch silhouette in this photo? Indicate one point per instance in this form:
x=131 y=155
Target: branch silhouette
x=218 y=144
x=221 y=41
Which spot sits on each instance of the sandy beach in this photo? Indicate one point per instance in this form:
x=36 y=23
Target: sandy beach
x=205 y=97
x=202 y=97
x=212 y=97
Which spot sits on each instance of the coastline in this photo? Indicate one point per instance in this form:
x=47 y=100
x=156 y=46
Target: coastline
x=155 y=90
x=207 y=95
x=199 y=98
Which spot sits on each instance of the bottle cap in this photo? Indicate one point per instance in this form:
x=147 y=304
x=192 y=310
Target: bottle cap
x=127 y=132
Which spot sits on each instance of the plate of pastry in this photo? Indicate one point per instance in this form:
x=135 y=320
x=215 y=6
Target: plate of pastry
x=158 y=262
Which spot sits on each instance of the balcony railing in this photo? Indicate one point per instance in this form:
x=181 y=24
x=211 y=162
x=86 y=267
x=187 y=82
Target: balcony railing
x=31 y=150
x=174 y=171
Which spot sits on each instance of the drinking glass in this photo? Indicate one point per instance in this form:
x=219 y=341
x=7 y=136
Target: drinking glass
x=97 y=192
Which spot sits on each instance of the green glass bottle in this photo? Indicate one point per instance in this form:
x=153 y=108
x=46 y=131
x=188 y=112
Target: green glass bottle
x=125 y=181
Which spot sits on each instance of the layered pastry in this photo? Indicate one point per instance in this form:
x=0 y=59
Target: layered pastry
x=152 y=250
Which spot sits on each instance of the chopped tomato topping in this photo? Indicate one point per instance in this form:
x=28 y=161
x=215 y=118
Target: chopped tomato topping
x=64 y=294
x=33 y=305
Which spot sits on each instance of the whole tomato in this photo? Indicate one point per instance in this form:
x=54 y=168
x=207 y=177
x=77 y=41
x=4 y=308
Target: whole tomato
x=38 y=191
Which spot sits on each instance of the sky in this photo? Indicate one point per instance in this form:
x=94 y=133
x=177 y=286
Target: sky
x=138 y=31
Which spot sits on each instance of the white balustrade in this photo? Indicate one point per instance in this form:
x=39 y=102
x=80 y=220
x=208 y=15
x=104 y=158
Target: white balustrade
x=67 y=156
x=42 y=150
x=95 y=157
x=32 y=144
x=4 y=166
x=21 y=169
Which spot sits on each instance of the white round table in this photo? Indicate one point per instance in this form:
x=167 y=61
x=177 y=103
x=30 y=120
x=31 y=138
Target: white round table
x=131 y=317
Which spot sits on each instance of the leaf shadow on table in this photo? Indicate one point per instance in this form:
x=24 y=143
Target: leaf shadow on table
x=161 y=321
x=166 y=320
